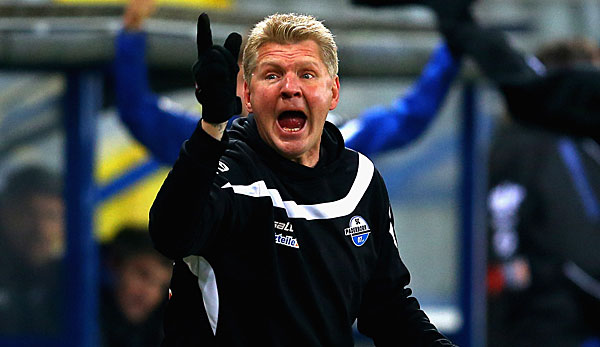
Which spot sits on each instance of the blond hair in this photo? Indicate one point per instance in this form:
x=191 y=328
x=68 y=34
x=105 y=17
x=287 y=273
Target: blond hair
x=287 y=29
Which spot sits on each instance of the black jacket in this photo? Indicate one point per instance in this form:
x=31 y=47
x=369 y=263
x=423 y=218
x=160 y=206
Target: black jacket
x=544 y=238
x=283 y=254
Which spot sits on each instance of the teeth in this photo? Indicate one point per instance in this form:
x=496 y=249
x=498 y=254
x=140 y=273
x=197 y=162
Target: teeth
x=293 y=130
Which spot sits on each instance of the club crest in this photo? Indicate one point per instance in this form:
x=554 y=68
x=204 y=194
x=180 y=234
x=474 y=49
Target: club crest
x=358 y=230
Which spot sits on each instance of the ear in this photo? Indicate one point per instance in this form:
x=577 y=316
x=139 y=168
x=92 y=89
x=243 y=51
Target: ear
x=335 y=93
x=247 y=102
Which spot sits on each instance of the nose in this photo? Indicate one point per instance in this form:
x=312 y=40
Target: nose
x=291 y=86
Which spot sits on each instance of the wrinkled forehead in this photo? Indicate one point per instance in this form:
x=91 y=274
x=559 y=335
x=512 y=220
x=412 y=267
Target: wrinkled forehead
x=306 y=50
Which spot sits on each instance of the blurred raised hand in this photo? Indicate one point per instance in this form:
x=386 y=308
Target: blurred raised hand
x=136 y=12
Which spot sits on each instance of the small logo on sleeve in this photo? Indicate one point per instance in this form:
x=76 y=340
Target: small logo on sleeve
x=358 y=230
x=222 y=167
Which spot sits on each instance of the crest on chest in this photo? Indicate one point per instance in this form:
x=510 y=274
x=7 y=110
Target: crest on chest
x=358 y=230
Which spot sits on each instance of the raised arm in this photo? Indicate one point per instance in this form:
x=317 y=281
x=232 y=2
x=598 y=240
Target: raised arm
x=186 y=212
x=565 y=101
x=157 y=123
x=383 y=128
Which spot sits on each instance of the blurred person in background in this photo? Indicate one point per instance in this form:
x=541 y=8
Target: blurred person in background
x=32 y=243
x=162 y=127
x=544 y=195
x=132 y=304
x=544 y=218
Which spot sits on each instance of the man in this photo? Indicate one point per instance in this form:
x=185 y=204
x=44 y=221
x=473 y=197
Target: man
x=162 y=127
x=543 y=271
x=292 y=239
x=544 y=221
x=132 y=308
x=32 y=243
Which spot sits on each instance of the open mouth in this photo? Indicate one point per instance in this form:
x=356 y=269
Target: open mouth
x=291 y=121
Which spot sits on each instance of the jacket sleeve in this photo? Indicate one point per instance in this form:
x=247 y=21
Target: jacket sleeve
x=156 y=123
x=389 y=314
x=566 y=101
x=189 y=206
x=383 y=128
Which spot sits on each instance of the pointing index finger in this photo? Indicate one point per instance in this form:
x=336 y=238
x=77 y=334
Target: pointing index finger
x=203 y=34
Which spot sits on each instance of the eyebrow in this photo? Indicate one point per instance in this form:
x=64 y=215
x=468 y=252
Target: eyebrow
x=302 y=63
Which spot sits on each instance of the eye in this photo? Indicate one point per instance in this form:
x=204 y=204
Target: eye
x=270 y=76
x=308 y=75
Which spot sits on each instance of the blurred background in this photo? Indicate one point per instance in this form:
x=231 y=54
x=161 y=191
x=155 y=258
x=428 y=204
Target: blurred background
x=78 y=178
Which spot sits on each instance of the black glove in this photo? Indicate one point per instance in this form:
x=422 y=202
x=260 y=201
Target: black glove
x=215 y=74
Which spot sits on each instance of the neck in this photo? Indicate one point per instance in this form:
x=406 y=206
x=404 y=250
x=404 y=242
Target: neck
x=309 y=159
